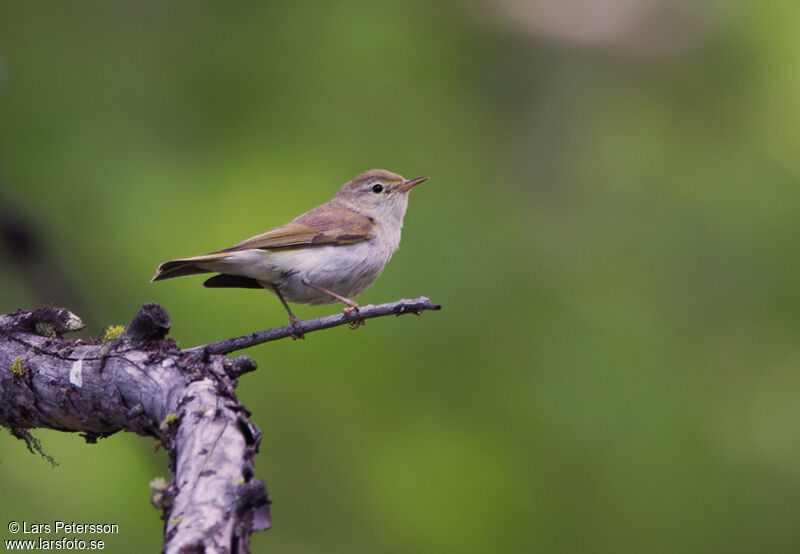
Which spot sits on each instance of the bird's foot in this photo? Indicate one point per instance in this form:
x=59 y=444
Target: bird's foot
x=296 y=333
x=354 y=323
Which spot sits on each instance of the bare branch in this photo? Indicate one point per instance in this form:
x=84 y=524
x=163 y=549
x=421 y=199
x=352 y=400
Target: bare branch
x=144 y=384
x=400 y=307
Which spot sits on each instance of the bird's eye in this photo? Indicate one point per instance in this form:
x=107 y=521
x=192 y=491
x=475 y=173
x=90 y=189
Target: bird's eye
x=377 y=188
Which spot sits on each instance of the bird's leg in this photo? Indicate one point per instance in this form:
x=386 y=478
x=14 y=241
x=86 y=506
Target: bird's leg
x=351 y=306
x=292 y=319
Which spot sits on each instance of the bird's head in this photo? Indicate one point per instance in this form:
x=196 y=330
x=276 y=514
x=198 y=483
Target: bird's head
x=378 y=193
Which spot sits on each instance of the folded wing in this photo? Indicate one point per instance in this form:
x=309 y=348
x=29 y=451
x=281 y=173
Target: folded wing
x=324 y=225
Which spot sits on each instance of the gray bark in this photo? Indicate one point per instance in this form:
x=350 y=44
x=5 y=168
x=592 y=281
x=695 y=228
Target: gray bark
x=143 y=383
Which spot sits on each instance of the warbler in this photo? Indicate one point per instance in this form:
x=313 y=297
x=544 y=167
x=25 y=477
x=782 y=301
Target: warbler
x=331 y=253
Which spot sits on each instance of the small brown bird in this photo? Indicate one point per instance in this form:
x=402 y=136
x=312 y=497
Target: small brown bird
x=331 y=253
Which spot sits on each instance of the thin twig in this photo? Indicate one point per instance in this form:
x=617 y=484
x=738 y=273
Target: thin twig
x=400 y=307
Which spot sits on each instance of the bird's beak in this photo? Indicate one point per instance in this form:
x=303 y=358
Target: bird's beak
x=411 y=183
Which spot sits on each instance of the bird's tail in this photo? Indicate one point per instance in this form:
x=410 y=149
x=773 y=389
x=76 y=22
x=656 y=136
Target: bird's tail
x=187 y=266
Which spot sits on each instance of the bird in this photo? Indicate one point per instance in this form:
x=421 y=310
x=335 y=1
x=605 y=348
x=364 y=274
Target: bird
x=329 y=254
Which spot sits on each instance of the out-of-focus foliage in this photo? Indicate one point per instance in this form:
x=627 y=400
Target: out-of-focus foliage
x=611 y=225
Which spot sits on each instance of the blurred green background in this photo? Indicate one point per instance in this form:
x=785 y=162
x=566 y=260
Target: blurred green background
x=611 y=226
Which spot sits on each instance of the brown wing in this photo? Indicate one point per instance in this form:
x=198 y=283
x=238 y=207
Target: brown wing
x=326 y=224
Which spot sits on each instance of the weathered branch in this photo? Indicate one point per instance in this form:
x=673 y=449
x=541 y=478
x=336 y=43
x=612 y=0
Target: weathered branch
x=142 y=383
x=400 y=307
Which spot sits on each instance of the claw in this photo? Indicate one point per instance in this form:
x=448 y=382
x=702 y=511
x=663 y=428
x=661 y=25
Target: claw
x=354 y=323
x=293 y=321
